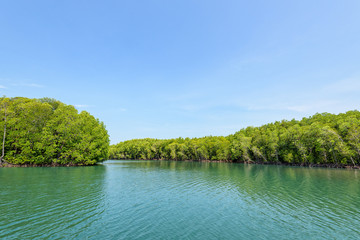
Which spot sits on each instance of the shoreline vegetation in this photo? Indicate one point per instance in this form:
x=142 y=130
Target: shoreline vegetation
x=322 y=140
x=47 y=132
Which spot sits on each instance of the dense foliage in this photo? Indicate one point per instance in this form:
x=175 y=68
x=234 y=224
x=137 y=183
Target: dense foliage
x=321 y=139
x=48 y=132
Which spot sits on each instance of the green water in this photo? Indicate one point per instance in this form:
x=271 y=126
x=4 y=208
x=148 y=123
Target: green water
x=179 y=200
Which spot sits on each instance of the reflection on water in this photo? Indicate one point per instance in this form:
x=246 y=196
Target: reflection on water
x=179 y=200
x=50 y=202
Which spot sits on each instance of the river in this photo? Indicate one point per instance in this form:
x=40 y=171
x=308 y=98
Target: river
x=179 y=200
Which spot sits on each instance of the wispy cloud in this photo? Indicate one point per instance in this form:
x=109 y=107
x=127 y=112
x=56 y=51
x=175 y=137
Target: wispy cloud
x=315 y=106
x=2 y=86
x=27 y=85
x=81 y=105
x=310 y=106
x=191 y=107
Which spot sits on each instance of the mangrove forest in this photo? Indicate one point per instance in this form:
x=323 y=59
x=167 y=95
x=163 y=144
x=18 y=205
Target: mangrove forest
x=47 y=132
x=323 y=139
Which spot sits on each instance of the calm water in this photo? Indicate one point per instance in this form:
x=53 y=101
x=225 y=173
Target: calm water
x=179 y=200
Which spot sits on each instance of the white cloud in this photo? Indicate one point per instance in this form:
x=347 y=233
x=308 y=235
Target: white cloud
x=191 y=107
x=81 y=105
x=27 y=85
x=332 y=106
x=2 y=86
x=314 y=106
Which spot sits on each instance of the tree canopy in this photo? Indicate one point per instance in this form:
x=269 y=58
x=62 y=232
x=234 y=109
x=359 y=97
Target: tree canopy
x=321 y=139
x=48 y=132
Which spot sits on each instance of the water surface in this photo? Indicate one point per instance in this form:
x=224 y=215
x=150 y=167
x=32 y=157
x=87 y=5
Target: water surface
x=179 y=200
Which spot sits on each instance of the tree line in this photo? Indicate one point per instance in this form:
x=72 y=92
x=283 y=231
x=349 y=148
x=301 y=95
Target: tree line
x=48 y=132
x=322 y=139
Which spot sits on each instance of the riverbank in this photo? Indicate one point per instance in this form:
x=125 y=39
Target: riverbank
x=10 y=165
x=310 y=165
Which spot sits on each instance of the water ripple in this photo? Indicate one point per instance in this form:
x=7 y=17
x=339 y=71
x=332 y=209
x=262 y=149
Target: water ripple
x=179 y=200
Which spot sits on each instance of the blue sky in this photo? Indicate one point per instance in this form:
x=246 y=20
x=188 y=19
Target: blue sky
x=165 y=69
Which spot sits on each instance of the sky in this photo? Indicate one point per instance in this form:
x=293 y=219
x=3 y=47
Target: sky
x=180 y=68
